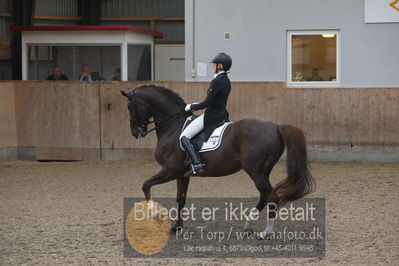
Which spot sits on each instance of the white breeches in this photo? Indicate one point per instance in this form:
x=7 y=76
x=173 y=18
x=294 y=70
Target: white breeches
x=194 y=128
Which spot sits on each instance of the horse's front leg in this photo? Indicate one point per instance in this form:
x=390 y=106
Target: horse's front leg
x=162 y=177
x=182 y=186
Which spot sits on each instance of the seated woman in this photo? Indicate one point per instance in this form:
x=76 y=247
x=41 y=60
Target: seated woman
x=117 y=76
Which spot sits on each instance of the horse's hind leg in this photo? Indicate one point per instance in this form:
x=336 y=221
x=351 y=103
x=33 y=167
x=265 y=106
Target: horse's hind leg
x=264 y=187
x=260 y=173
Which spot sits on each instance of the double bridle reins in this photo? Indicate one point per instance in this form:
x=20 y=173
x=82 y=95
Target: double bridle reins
x=159 y=123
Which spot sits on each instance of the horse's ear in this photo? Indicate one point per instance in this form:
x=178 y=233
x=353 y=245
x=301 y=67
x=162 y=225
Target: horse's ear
x=125 y=94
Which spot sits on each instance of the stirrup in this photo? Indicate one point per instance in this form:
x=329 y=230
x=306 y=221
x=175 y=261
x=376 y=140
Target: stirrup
x=186 y=164
x=194 y=171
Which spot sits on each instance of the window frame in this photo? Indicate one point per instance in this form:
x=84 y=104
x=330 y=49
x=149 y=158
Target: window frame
x=302 y=84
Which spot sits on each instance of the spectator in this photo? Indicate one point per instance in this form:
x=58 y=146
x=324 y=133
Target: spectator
x=117 y=76
x=57 y=75
x=315 y=75
x=87 y=75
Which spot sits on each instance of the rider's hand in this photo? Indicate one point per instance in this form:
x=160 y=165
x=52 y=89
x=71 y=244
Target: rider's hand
x=188 y=107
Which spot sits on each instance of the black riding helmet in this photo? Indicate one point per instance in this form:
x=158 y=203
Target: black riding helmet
x=224 y=59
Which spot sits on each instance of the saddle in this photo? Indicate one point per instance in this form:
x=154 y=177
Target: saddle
x=198 y=140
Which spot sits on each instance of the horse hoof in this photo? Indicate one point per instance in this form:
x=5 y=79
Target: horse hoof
x=260 y=237
x=175 y=228
x=248 y=231
x=263 y=235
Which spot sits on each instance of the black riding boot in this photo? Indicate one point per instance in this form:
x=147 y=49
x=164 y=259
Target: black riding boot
x=196 y=165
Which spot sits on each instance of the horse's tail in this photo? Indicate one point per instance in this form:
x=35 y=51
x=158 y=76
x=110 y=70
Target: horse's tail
x=300 y=181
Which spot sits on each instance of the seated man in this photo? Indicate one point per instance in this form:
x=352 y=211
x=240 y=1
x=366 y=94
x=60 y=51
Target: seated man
x=87 y=75
x=57 y=75
x=315 y=75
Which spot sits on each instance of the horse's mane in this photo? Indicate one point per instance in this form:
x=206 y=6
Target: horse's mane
x=168 y=94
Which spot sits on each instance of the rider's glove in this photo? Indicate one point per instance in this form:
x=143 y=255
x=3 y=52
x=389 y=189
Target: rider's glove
x=188 y=107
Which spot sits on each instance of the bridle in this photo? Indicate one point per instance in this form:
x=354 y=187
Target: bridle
x=142 y=125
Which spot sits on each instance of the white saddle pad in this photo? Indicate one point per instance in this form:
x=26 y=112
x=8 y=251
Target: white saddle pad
x=214 y=140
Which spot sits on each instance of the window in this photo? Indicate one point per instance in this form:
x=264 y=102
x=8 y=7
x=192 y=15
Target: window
x=139 y=63
x=102 y=61
x=313 y=58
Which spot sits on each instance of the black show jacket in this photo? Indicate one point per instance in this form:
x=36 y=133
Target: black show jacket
x=215 y=104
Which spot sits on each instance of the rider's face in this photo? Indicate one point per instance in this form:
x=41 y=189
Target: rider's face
x=214 y=67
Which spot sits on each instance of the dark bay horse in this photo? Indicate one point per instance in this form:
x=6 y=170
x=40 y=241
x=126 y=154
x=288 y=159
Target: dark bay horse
x=249 y=144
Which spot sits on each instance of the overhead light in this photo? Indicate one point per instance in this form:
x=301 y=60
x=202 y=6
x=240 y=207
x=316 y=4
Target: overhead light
x=328 y=35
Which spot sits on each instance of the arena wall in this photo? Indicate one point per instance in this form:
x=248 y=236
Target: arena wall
x=90 y=121
x=8 y=130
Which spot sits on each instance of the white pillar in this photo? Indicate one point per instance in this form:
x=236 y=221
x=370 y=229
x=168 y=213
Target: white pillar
x=124 y=60
x=152 y=60
x=24 y=55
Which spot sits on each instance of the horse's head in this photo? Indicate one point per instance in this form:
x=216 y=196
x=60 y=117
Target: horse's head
x=163 y=105
x=139 y=114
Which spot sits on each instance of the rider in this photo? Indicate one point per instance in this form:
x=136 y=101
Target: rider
x=215 y=111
